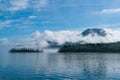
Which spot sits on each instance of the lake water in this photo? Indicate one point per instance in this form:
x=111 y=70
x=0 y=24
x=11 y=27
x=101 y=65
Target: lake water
x=59 y=66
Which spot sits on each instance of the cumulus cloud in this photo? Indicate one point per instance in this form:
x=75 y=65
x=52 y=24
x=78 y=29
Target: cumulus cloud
x=36 y=35
x=61 y=36
x=109 y=11
x=40 y=40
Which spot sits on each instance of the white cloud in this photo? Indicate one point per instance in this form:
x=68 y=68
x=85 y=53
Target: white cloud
x=41 y=4
x=8 y=23
x=36 y=35
x=109 y=11
x=3 y=41
x=61 y=36
x=18 y=5
x=5 y=23
x=38 y=39
x=32 y=17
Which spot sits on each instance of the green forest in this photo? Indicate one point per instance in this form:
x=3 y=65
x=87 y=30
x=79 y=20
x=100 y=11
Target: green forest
x=91 y=47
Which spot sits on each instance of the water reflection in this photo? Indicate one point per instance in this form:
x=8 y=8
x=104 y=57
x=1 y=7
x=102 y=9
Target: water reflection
x=88 y=66
x=57 y=66
x=95 y=68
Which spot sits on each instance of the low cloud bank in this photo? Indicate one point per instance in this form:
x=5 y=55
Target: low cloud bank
x=38 y=39
x=41 y=39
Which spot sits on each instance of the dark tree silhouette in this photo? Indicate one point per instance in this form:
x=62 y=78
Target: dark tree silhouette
x=89 y=47
x=23 y=50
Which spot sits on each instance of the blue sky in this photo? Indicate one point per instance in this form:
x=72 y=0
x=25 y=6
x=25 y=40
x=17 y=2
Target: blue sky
x=22 y=17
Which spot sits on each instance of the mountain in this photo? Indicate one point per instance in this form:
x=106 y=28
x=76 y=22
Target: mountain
x=94 y=31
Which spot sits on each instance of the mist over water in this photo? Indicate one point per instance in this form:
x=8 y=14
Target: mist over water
x=59 y=66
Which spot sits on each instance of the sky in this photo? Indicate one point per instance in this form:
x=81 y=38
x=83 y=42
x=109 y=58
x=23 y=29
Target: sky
x=20 y=18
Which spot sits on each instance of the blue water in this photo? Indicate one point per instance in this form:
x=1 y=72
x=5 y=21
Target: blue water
x=57 y=66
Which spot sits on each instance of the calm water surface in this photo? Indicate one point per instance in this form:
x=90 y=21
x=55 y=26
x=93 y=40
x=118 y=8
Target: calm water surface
x=57 y=66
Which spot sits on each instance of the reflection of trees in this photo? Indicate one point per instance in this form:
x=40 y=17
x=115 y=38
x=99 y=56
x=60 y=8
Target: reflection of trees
x=90 y=66
x=81 y=66
x=94 y=69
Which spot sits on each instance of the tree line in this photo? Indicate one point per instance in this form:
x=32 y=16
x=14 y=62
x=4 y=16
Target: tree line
x=91 y=47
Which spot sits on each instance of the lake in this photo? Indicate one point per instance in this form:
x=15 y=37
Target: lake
x=59 y=66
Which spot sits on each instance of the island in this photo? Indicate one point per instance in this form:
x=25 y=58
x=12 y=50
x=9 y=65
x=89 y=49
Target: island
x=91 y=47
x=25 y=50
